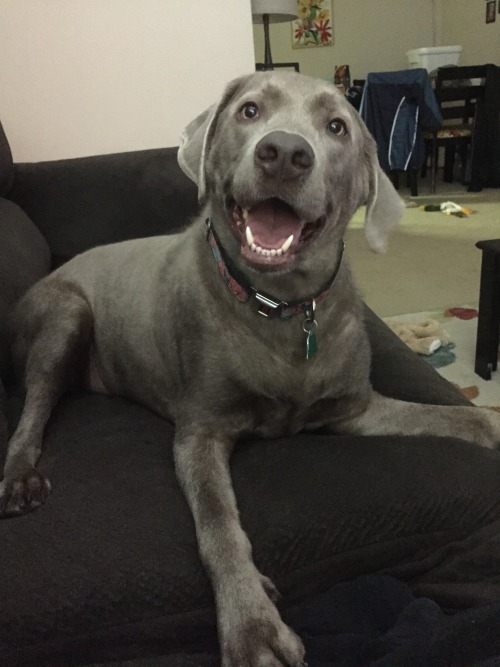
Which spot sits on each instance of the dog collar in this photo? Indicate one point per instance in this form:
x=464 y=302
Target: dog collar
x=265 y=304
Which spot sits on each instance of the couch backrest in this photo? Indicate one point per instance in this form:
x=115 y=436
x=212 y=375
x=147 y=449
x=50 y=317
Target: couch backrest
x=6 y=165
x=83 y=202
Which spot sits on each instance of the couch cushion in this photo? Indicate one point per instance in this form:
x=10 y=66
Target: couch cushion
x=6 y=164
x=24 y=259
x=398 y=372
x=108 y=568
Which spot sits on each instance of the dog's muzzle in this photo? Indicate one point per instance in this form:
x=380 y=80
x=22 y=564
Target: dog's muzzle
x=284 y=156
x=272 y=229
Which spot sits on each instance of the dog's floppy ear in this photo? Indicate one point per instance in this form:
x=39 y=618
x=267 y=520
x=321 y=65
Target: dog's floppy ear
x=384 y=207
x=197 y=136
x=191 y=145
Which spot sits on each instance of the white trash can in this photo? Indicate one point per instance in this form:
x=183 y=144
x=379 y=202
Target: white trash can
x=432 y=57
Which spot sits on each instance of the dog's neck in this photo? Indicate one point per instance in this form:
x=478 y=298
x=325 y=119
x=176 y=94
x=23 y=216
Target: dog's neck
x=265 y=304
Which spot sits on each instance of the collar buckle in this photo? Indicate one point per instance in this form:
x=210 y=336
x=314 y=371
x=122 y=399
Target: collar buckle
x=266 y=306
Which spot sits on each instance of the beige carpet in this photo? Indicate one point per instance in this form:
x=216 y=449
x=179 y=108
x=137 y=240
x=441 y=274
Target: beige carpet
x=432 y=262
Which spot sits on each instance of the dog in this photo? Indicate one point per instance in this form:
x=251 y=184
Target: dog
x=248 y=321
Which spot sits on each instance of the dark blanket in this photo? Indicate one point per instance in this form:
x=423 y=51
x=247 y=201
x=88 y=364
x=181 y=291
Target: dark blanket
x=376 y=620
x=446 y=615
x=439 y=611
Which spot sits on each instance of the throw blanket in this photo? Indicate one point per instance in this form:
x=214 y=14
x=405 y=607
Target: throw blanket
x=442 y=610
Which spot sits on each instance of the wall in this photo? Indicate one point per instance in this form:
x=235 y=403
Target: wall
x=373 y=35
x=464 y=24
x=83 y=77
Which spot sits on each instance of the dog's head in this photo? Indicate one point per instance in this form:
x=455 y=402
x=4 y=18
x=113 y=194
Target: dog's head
x=284 y=161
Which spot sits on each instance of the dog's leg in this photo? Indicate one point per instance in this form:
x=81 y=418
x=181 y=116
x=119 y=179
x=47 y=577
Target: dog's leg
x=251 y=631
x=54 y=339
x=388 y=416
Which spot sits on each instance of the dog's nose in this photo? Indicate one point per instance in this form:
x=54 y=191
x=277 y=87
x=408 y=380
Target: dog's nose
x=284 y=156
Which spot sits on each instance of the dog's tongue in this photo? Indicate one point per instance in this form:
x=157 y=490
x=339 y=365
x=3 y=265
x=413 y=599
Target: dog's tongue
x=272 y=222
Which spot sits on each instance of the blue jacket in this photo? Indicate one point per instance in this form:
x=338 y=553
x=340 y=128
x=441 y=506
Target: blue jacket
x=397 y=107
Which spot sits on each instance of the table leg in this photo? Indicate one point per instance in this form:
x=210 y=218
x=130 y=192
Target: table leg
x=489 y=316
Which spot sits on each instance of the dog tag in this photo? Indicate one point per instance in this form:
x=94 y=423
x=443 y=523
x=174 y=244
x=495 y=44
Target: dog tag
x=311 y=344
x=310 y=325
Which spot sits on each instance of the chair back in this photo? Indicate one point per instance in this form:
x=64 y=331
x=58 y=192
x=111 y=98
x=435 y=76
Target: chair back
x=396 y=108
x=458 y=91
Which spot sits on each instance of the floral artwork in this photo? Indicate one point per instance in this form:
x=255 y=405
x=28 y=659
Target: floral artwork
x=313 y=27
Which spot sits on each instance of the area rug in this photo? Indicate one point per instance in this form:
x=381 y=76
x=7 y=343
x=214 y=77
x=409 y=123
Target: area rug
x=455 y=360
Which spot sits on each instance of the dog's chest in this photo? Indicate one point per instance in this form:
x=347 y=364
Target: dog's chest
x=283 y=399
x=280 y=417
x=286 y=392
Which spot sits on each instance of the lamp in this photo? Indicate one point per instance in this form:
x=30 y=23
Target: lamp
x=272 y=11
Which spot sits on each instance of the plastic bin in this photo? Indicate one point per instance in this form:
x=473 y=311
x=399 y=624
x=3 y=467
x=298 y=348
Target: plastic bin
x=432 y=57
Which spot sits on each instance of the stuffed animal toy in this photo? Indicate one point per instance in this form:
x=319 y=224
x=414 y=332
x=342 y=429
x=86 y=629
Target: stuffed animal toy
x=422 y=337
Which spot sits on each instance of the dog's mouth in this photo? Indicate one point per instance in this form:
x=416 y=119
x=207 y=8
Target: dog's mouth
x=271 y=232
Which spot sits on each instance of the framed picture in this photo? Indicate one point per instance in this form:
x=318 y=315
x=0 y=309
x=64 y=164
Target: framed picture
x=491 y=11
x=313 y=27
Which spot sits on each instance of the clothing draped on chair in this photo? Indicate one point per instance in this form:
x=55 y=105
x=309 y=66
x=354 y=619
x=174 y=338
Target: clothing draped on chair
x=397 y=107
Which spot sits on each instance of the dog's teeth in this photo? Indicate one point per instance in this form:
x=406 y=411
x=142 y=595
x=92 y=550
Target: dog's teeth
x=249 y=235
x=253 y=247
x=258 y=249
x=244 y=213
x=279 y=252
x=287 y=243
x=273 y=252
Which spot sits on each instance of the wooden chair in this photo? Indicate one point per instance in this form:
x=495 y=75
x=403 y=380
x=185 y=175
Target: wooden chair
x=458 y=91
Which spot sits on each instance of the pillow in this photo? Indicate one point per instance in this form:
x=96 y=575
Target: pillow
x=6 y=164
x=24 y=259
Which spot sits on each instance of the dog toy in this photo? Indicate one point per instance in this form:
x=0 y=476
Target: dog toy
x=448 y=208
x=422 y=337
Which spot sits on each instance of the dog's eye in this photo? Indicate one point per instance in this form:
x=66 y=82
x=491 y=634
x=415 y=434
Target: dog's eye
x=337 y=127
x=249 y=111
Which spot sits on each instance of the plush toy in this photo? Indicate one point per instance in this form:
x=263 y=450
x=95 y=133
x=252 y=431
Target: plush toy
x=422 y=337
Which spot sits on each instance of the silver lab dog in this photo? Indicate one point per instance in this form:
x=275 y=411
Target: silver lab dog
x=251 y=324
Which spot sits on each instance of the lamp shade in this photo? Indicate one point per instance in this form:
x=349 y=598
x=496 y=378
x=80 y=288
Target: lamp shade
x=279 y=11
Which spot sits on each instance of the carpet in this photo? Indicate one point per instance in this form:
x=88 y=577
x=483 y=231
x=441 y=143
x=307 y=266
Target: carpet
x=455 y=359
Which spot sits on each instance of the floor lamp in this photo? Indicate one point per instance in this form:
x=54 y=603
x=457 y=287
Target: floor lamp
x=272 y=11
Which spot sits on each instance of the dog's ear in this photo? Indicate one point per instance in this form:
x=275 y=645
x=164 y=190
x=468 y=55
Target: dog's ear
x=191 y=144
x=196 y=138
x=384 y=207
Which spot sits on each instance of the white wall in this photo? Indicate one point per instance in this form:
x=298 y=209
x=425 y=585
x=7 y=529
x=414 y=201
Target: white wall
x=369 y=36
x=83 y=77
x=374 y=35
x=464 y=23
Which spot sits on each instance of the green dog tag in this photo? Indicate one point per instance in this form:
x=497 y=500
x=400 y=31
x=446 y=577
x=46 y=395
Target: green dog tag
x=309 y=326
x=311 y=344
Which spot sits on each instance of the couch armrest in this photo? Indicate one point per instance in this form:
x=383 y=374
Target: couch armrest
x=24 y=259
x=83 y=202
x=399 y=372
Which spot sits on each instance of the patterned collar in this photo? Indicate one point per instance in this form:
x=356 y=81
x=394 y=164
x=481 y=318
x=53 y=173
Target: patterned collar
x=266 y=305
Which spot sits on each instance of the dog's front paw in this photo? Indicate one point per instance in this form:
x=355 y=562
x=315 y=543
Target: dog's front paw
x=23 y=493
x=257 y=637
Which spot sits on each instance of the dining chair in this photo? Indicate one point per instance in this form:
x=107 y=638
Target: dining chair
x=458 y=91
x=397 y=107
